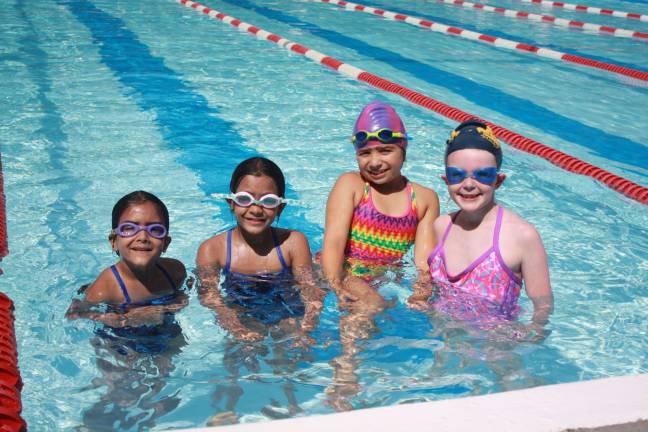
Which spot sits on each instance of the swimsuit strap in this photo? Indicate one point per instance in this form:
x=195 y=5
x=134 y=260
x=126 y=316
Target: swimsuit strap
x=284 y=267
x=121 y=283
x=498 y=226
x=166 y=275
x=412 y=196
x=447 y=230
x=409 y=190
x=228 y=262
x=366 y=195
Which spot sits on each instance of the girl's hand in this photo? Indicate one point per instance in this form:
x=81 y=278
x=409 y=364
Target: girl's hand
x=246 y=334
x=422 y=291
x=357 y=293
x=111 y=319
x=419 y=301
x=140 y=316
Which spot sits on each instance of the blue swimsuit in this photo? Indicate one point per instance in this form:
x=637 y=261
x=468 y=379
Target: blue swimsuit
x=147 y=339
x=266 y=297
x=156 y=301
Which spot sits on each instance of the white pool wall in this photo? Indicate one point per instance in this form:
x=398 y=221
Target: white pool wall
x=584 y=404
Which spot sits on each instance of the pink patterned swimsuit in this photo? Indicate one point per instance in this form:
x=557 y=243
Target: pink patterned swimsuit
x=486 y=288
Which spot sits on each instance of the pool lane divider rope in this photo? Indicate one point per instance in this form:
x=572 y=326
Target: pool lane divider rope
x=612 y=31
x=498 y=42
x=563 y=160
x=4 y=249
x=10 y=381
x=588 y=9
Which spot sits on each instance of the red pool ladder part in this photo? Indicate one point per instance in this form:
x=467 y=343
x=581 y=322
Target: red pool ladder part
x=498 y=42
x=612 y=31
x=10 y=381
x=588 y=9
x=563 y=160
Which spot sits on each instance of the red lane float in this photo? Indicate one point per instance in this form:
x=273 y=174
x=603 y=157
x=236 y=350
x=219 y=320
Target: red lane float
x=612 y=31
x=498 y=42
x=4 y=250
x=563 y=160
x=10 y=382
x=588 y=9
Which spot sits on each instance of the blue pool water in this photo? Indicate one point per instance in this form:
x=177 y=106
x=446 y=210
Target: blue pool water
x=104 y=97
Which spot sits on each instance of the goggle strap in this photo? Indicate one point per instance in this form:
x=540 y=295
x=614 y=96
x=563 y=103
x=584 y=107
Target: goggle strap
x=231 y=197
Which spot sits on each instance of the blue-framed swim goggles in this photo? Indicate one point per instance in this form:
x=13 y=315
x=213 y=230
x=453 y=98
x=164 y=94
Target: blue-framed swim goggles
x=485 y=175
x=384 y=135
x=130 y=229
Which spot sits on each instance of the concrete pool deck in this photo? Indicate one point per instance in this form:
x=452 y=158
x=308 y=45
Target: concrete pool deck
x=618 y=404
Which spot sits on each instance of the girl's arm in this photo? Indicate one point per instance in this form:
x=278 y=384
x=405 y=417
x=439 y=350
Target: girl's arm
x=102 y=290
x=535 y=273
x=339 y=212
x=301 y=264
x=423 y=287
x=208 y=268
x=425 y=241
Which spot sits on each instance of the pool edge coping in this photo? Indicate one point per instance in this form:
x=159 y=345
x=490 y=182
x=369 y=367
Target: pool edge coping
x=604 y=402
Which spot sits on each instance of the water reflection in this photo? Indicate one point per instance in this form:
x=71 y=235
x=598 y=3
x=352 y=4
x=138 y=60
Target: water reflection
x=135 y=363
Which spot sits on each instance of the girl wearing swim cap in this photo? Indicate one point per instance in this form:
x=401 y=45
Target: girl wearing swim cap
x=485 y=252
x=374 y=215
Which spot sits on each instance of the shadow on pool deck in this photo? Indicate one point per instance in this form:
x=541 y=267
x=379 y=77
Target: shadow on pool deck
x=638 y=426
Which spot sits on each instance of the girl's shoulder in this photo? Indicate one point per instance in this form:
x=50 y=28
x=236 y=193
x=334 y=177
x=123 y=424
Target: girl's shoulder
x=290 y=237
x=213 y=250
x=294 y=245
x=423 y=191
x=105 y=289
x=351 y=178
x=175 y=268
x=217 y=240
x=514 y=225
x=441 y=223
x=426 y=198
x=348 y=189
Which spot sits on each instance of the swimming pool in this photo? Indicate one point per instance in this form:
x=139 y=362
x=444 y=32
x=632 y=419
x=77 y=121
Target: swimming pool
x=105 y=97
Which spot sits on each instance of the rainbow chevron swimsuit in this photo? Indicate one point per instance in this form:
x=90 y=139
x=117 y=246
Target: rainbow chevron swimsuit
x=379 y=239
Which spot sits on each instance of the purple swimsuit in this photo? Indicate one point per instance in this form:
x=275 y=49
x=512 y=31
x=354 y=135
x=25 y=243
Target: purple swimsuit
x=486 y=288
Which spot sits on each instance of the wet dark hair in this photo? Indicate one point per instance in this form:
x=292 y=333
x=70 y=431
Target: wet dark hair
x=258 y=166
x=138 y=197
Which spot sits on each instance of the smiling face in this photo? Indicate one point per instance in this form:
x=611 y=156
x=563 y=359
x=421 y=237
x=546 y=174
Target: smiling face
x=255 y=219
x=141 y=250
x=469 y=194
x=381 y=164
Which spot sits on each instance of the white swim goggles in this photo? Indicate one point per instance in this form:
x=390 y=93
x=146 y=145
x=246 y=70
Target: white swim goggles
x=245 y=199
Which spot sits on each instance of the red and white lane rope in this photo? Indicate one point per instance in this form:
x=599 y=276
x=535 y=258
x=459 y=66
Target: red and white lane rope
x=588 y=9
x=498 y=42
x=613 y=31
x=563 y=160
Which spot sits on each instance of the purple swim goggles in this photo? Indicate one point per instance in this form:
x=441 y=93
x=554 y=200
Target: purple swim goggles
x=130 y=229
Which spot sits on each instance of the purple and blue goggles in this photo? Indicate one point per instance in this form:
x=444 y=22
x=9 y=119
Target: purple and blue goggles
x=485 y=175
x=130 y=229
x=384 y=135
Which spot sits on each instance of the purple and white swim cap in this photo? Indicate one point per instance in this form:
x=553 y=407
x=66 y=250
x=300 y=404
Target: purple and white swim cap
x=378 y=123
